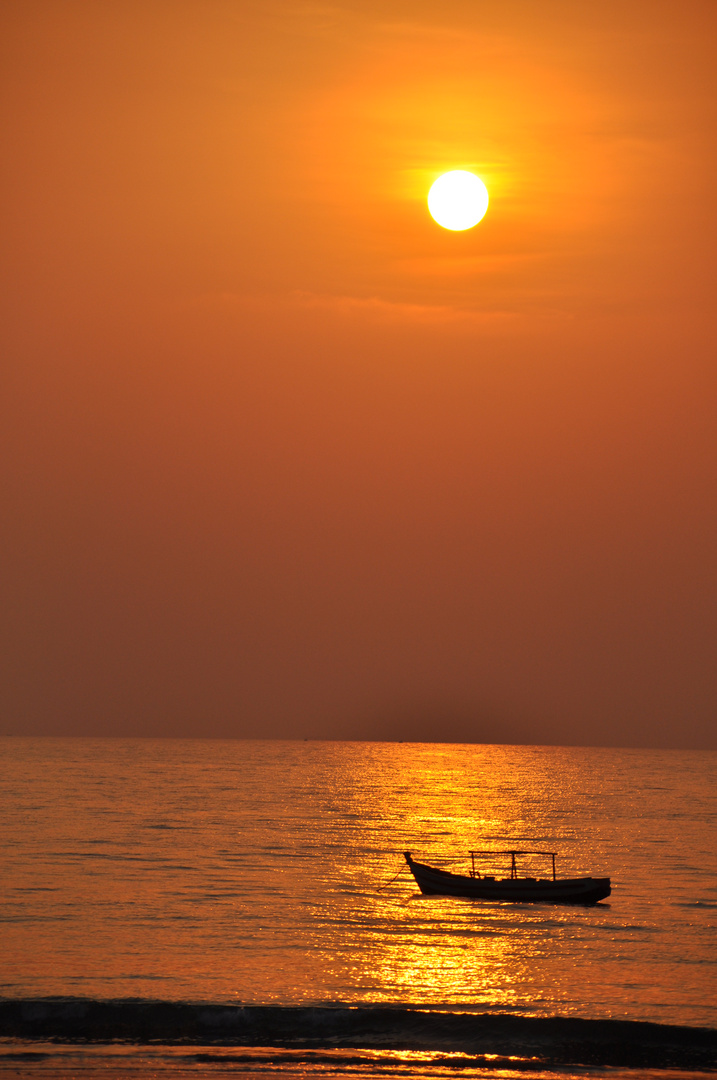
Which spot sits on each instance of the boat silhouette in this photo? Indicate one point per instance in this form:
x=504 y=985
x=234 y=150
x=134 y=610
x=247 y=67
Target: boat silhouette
x=435 y=882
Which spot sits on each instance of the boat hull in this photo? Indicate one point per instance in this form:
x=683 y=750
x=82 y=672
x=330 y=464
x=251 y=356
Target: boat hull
x=434 y=882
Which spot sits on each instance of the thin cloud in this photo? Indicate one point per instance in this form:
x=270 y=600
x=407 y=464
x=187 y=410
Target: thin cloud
x=373 y=308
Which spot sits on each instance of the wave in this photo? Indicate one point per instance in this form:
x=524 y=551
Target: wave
x=305 y=1030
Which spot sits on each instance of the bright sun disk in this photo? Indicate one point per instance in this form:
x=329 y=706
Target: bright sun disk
x=458 y=200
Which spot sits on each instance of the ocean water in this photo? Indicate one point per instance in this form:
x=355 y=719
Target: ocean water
x=251 y=873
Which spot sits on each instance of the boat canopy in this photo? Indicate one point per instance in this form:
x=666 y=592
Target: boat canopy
x=512 y=852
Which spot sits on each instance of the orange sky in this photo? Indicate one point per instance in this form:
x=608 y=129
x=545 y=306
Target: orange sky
x=283 y=457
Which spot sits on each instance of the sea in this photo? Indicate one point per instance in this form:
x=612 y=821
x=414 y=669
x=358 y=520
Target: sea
x=213 y=908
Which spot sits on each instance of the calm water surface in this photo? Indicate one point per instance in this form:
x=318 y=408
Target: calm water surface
x=249 y=872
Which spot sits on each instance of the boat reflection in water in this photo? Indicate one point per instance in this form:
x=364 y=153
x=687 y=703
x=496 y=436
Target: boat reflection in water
x=436 y=882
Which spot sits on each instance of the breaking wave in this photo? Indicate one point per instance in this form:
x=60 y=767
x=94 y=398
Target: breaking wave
x=458 y=1039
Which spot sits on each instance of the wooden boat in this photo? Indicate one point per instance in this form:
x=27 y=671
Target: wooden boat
x=434 y=882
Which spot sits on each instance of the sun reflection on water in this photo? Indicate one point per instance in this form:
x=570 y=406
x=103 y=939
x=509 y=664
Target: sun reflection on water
x=436 y=947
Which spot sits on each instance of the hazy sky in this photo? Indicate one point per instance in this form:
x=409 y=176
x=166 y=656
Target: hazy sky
x=280 y=456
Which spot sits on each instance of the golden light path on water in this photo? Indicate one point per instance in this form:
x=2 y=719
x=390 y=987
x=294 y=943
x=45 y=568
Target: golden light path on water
x=474 y=960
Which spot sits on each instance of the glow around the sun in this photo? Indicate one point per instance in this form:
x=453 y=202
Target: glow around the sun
x=458 y=200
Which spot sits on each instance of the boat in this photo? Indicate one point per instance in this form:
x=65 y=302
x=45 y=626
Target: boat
x=434 y=882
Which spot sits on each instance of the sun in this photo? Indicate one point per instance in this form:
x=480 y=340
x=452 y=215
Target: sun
x=458 y=200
